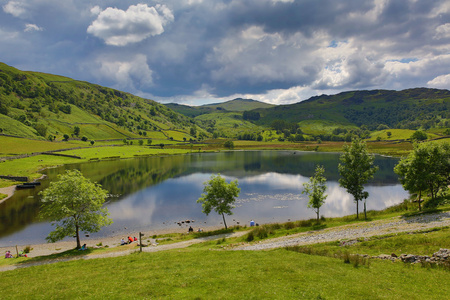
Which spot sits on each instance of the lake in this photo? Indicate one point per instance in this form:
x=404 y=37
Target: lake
x=156 y=193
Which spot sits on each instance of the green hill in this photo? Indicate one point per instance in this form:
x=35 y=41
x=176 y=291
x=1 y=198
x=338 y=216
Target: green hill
x=407 y=109
x=236 y=105
x=46 y=106
x=42 y=106
x=239 y=104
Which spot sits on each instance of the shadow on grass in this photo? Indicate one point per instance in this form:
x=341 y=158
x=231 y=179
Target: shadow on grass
x=57 y=256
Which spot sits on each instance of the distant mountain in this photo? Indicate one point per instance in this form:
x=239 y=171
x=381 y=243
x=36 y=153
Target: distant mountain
x=39 y=105
x=411 y=108
x=235 y=105
x=46 y=106
x=240 y=104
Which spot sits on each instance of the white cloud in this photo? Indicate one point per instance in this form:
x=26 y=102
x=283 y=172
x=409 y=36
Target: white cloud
x=96 y=10
x=131 y=74
x=443 y=31
x=17 y=9
x=32 y=27
x=119 y=28
x=440 y=82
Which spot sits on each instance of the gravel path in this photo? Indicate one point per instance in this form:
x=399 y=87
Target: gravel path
x=126 y=250
x=354 y=231
x=346 y=232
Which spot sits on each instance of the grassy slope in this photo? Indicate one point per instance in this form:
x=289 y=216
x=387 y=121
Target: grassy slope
x=230 y=123
x=87 y=101
x=365 y=107
x=277 y=274
x=239 y=105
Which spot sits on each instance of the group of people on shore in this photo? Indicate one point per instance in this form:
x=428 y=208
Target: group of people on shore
x=190 y=230
x=20 y=254
x=128 y=241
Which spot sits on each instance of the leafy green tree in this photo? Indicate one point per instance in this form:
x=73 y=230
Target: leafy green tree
x=419 y=136
x=356 y=168
x=74 y=204
x=193 y=131
x=315 y=189
x=66 y=137
x=229 y=144
x=426 y=168
x=141 y=142
x=76 y=130
x=41 y=129
x=92 y=143
x=219 y=195
x=149 y=141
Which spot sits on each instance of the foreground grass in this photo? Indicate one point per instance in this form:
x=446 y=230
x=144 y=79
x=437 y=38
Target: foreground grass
x=277 y=274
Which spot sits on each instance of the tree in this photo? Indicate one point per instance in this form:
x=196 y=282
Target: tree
x=41 y=129
x=74 y=204
x=76 y=130
x=315 y=189
x=229 y=144
x=219 y=195
x=427 y=167
x=419 y=136
x=356 y=168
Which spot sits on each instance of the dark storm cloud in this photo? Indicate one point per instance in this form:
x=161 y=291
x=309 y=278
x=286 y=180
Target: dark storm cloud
x=272 y=50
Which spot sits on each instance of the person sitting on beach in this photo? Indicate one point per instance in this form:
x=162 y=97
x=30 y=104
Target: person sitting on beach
x=191 y=229
x=252 y=223
x=8 y=254
x=135 y=239
x=122 y=242
x=84 y=247
x=200 y=230
x=130 y=240
x=21 y=254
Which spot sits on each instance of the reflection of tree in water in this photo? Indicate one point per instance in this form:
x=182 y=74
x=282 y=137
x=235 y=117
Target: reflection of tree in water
x=123 y=177
x=17 y=212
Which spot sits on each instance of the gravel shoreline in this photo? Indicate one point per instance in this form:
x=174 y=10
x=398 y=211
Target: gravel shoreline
x=341 y=233
x=354 y=231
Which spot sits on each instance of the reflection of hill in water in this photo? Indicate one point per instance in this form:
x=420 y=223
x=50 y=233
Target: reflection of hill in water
x=124 y=177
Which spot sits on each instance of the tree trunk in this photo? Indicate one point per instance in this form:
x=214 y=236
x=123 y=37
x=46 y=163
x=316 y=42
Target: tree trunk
x=357 y=210
x=224 y=222
x=78 y=236
x=317 y=216
x=365 y=213
x=420 y=195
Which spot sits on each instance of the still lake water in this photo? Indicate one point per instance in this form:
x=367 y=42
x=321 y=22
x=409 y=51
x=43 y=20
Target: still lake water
x=156 y=193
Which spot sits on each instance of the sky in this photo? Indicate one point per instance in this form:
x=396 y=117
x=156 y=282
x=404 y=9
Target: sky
x=201 y=51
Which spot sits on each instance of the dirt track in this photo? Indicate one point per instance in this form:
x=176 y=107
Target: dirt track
x=346 y=232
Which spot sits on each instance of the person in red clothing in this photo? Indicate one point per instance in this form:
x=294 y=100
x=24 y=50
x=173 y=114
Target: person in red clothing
x=130 y=240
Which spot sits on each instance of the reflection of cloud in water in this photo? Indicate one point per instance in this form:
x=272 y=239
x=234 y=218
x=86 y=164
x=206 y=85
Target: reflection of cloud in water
x=249 y=197
x=270 y=197
x=276 y=180
x=126 y=209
